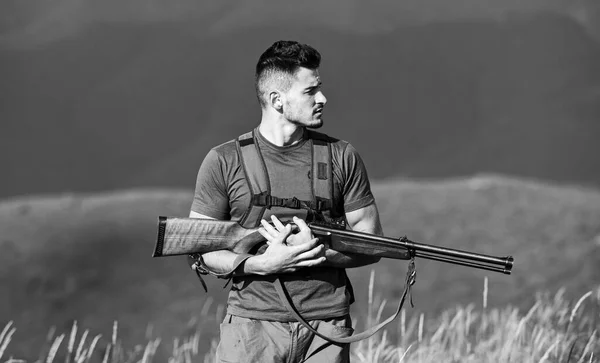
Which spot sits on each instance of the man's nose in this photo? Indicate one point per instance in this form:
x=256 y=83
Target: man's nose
x=321 y=98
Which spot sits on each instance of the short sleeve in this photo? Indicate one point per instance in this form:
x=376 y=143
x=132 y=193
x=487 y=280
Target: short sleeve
x=357 y=188
x=210 y=196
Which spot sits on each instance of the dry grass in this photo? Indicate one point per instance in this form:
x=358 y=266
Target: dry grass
x=552 y=330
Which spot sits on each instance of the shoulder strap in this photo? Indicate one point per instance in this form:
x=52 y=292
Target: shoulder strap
x=256 y=176
x=322 y=173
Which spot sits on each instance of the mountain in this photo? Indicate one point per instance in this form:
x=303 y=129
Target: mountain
x=86 y=257
x=122 y=105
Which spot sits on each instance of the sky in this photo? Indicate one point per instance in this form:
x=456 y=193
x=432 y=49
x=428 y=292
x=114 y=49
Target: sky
x=26 y=23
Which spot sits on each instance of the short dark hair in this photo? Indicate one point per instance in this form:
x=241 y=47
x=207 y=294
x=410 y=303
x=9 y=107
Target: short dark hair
x=280 y=62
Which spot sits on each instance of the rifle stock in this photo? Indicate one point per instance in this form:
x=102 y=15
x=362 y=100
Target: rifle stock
x=180 y=236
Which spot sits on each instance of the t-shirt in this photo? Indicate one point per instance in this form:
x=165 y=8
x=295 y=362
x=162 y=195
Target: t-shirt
x=222 y=192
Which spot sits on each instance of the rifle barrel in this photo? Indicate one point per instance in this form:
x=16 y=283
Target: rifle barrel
x=506 y=262
x=505 y=270
x=444 y=254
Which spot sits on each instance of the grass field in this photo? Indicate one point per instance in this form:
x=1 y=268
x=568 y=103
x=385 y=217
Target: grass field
x=552 y=330
x=87 y=258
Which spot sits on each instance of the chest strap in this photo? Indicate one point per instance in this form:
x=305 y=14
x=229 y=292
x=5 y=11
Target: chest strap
x=267 y=200
x=259 y=184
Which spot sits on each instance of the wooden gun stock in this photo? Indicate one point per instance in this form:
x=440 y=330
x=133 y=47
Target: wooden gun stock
x=181 y=236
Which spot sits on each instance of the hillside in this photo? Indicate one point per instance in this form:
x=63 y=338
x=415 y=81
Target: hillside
x=87 y=257
x=123 y=105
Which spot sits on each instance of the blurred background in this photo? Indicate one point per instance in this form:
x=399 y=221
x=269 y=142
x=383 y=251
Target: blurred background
x=478 y=122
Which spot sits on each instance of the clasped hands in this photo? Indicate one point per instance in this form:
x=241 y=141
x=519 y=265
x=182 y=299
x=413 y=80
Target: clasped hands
x=287 y=252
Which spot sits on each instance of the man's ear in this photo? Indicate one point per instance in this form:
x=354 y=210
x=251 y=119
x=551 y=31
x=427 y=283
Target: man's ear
x=275 y=100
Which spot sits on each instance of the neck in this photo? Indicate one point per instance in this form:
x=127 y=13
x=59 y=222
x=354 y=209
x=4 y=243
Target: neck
x=279 y=131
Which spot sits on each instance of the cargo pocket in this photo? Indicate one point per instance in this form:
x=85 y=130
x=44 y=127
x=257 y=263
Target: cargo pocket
x=241 y=340
x=321 y=350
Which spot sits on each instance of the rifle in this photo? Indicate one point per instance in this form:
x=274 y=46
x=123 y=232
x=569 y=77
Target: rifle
x=184 y=236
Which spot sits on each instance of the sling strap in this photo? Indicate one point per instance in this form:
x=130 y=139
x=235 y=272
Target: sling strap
x=287 y=301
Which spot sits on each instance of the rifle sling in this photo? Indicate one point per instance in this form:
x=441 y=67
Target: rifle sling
x=288 y=303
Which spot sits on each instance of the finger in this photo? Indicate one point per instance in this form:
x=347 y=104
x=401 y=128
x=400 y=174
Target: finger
x=302 y=226
x=284 y=233
x=311 y=263
x=311 y=254
x=277 y=223
x=303 y=247
x=269 y=228
x=290 y=240
x=266 y=234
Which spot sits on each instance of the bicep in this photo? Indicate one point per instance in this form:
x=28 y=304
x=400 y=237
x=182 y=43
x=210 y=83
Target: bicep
x=365 y=219
x=210 y=196
x=354 y=182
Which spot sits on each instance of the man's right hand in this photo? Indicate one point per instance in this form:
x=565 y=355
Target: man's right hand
x=280 y=257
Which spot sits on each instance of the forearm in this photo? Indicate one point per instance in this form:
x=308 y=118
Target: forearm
x=275 y=259
x=365 y=220
x=223 y=261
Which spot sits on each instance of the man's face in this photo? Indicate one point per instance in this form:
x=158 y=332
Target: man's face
x=303 y=103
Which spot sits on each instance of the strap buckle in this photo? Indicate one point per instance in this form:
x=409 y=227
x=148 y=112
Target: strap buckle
x=263 y=199
x=293 y=203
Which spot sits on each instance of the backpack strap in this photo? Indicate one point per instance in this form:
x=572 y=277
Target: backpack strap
x=256 y=177
x=322 y=174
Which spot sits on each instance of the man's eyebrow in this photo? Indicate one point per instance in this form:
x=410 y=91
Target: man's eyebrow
x=315 y=86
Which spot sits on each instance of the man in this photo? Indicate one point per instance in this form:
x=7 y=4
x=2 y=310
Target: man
x=285 y=171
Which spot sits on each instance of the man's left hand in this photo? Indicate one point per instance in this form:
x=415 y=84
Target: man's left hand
x=302 y=236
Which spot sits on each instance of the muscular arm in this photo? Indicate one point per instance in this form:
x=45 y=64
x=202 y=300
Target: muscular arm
x=362 y=220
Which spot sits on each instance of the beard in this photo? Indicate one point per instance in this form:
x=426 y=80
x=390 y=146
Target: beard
x=316 y=124
x=311 y=124
x=303 y=120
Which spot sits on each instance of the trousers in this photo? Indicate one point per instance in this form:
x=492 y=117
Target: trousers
x=248 y=340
